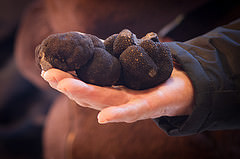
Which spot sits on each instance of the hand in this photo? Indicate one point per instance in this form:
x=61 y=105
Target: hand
x=172 y=98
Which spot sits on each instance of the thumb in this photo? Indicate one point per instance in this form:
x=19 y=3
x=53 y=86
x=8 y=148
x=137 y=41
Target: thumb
x=130 y=112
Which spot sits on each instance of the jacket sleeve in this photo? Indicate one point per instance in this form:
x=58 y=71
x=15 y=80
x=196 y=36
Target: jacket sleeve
x=212 y=62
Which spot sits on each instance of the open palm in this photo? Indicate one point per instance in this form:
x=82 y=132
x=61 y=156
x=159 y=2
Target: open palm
x=120 y=104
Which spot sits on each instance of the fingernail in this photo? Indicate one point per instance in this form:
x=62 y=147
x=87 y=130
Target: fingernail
x=100 y=120
x=50 y=79
x=42 y=73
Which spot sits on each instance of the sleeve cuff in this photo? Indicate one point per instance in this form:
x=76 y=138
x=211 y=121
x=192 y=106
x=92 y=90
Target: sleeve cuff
x=192 y=124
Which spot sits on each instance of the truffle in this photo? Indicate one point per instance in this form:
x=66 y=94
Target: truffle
x=149 y=46
x=121 y=59
x=108 y=43
x=65 y=51
x=161 y=56
x=83 y=53
x=96 y=41
x=103 y=69
x=124 y=39
x=147 y=64
x=139 y=70
x=151 y=36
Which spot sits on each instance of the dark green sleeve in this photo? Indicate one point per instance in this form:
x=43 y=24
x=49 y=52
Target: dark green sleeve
x=212 y=62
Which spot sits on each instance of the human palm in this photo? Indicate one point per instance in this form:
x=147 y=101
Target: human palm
x=120 y=104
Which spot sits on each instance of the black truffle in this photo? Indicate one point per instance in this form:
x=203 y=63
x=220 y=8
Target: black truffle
x=138 y=68
x=65 y=51
x=103 y=69
x=108 y=43
x=161 y=56
x=146 y=65
x=149 y=46
x=124 y=39
x=122 y=58
x=96 y=41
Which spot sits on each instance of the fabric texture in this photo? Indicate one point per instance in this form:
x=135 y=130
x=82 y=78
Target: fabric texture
x=211 y=62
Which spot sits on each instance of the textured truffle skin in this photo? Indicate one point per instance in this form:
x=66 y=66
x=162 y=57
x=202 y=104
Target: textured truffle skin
x=108 y=43
x=65 y=51
x=146 y=66
x=163 y=59
x=149 y=46
x=96 y=41
x=124 y=39
x=139 y=69
x=103 y=69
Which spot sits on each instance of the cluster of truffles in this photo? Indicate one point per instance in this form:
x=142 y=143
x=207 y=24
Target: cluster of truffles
x=121 y=59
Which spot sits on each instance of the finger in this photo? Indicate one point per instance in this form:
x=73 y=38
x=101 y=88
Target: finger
x=130 y=112
x=53 y=76
x=92 y=94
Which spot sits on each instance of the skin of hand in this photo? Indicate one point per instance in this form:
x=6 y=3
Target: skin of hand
x=120 y=104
